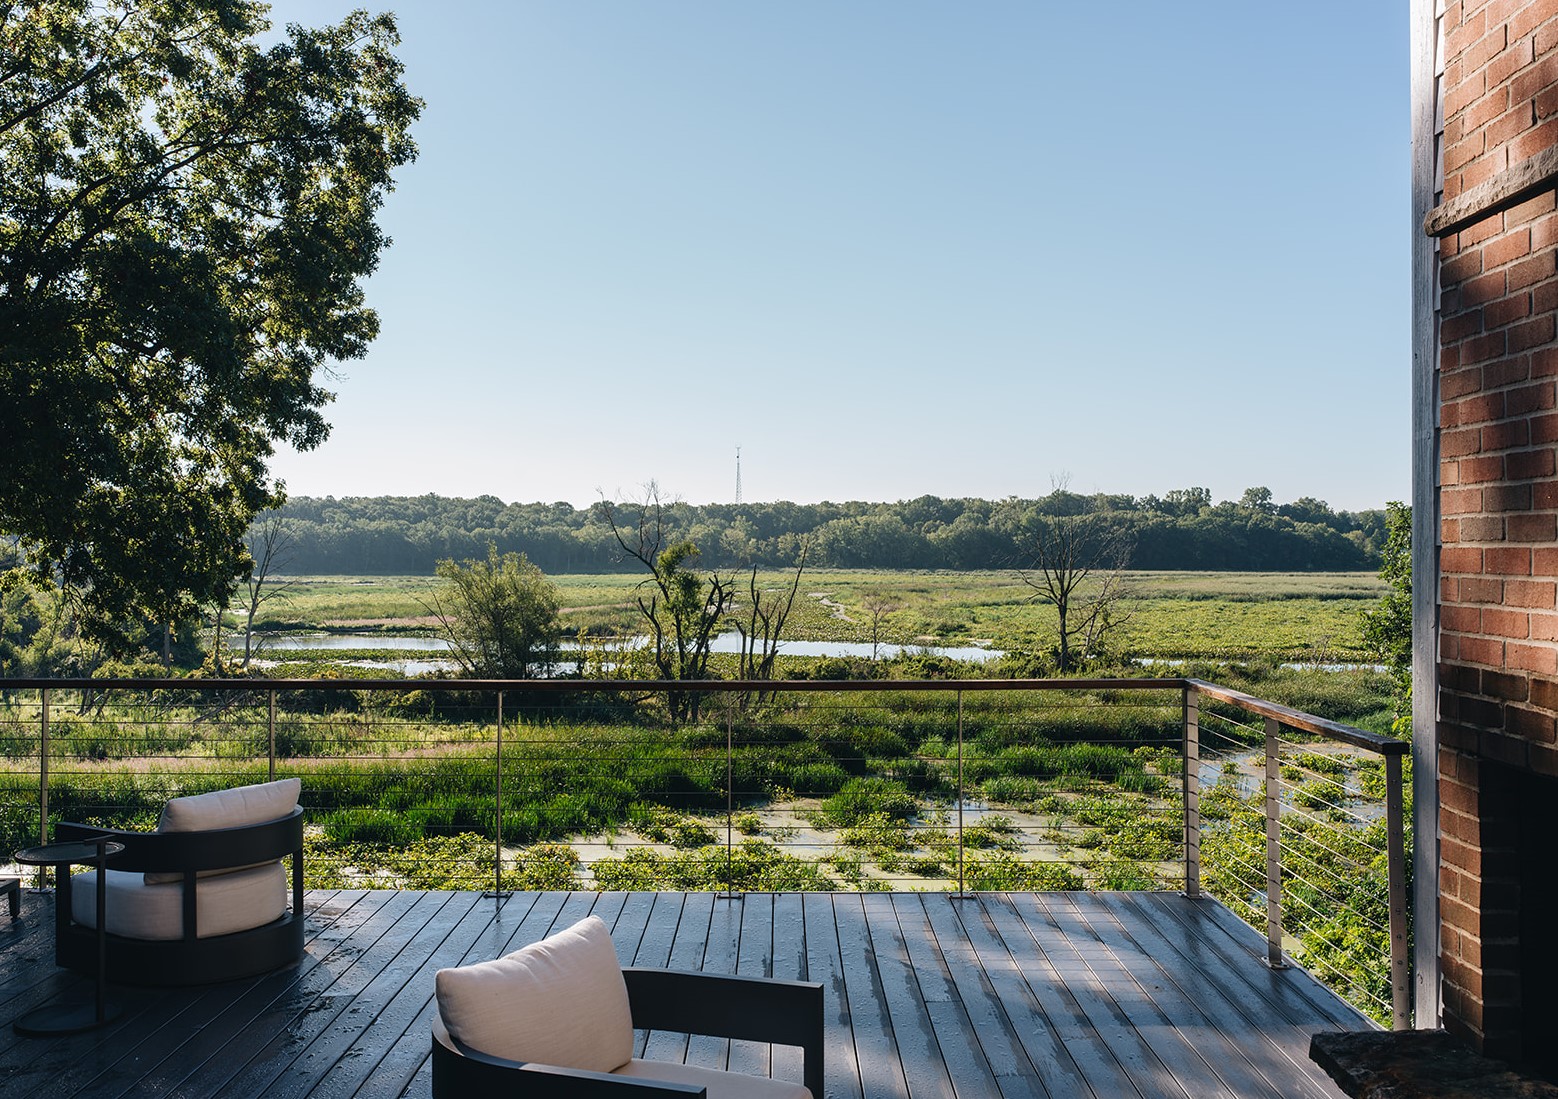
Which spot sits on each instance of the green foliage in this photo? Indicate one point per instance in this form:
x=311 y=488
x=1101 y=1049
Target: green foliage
x=185 y=220
x=1004 y=872
x=1387 y=629
x=861 y=798
x=754 y=866
x=500 y=616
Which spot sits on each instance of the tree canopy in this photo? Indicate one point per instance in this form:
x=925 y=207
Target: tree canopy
x=185 y=220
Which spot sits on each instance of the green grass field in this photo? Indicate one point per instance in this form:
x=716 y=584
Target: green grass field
x=1290 y=616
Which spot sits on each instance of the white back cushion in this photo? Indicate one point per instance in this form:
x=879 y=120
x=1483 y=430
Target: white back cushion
x=561 y=1001
x=232 y=808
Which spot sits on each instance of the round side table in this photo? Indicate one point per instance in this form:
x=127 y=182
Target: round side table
x=72 y=1018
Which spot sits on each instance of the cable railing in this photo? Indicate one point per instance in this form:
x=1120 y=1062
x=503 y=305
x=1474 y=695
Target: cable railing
x=1294 y=822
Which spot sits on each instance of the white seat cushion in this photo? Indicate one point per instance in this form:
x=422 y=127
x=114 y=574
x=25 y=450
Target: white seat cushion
x=561 y=1001
x=136 y=910
x=231 y=808
x=721 y=1085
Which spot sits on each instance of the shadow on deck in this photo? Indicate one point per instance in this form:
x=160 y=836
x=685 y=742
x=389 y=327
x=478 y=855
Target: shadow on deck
x=1004 y=994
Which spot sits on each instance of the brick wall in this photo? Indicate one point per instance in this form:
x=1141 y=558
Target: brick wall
x=1498 y=447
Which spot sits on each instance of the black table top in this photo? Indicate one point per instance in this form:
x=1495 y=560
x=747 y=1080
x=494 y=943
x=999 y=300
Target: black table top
x=72 y=851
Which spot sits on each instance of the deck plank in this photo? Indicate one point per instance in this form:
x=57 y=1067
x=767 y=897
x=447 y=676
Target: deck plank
x=925 y=995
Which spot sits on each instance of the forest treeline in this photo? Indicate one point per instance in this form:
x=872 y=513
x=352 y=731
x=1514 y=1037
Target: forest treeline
x=1182 y=530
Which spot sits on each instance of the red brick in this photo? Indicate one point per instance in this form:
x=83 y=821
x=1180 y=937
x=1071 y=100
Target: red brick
x=1462 y=501
x=1544 y=429
x=1506 y=372
x=1508 y=248
x=1515 y=57
x=1502 y=498
x=1483 y=650
x=1539 y=267
x=1544 y=627
x=1461 y=35
x=1545 y=495
x=1544 y=234
x=1530 y=724
x=1458 y=677
x=1527 y=83
x=1464 y=266
x=1462 y=325
x=1544 y=693
x=1533 y=141
x=1533 y=528
x=1480 y=528
x=1478 y=470
x=1533 y=333
x=1461 y=619
x=1496 y=160
x=1476 y=410
x=1461 y=855
x=1480 y=589
x=1483 y=288
x=1505 y=686
x=1529 y=210
x=1497 y=313
x=1542 y=659
x=1462 y=153
x=1528 y=17
x=1510 y=625
x=1509 y=125
x=1449 y=472
x=1454 y=444
x=1532 y=594
x=1529 y=398
x=1544 y=363
x=1478 y=349
x=1544 y=562
x=1507 y=561
x=1546 y=102
x=1502 y=436
x=1460 y=559
x=1450 y=531
x=1525 y=464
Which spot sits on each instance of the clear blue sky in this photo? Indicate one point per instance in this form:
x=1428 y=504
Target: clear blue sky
x=888 y=248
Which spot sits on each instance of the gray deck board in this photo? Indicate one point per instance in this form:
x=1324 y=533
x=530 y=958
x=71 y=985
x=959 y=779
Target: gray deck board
x=1000 y=995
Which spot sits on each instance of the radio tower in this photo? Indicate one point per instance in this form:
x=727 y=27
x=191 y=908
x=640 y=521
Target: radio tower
x=738 y=476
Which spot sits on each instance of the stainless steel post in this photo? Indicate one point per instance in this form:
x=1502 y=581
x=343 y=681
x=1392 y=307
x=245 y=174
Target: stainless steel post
x=730 y=893
x=1400 y=949
x=962 y=891
x=1192 y=791
x=497 y=831
x=1273 y=846
x=43 y=784
x=271 y=731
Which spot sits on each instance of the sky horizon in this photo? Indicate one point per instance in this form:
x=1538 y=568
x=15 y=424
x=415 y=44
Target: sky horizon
x=888 y=250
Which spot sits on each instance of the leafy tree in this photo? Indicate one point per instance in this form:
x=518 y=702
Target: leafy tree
x=500 y=616
x=681 y=609
x=185 y=219
x=1387 y=629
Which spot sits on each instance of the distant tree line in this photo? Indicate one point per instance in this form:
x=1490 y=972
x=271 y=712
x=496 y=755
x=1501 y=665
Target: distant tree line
x=1182 y=530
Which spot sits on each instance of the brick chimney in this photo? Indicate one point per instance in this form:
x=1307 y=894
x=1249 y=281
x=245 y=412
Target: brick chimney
x=1496 y=224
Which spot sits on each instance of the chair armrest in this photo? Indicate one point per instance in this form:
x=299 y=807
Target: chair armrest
x=460 y=1071
x=758 y=1009
x=212 y=849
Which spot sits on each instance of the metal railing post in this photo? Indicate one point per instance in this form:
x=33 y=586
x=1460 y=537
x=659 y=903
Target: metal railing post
x=730 y=893
x=497 y=831
x=1400 y=948
x=271 y=731
x=43 y=784
x=962 y=890
x=1192 y=791
x=1273 y=846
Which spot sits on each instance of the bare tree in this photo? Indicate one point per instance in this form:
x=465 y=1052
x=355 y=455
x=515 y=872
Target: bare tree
x=878 y=605
x=1076 y=564
x=270 y=549
x=761 y=631
x=682 y=610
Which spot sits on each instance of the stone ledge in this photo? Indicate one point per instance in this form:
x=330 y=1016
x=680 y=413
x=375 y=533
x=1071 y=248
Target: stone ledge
x=1418 y=1064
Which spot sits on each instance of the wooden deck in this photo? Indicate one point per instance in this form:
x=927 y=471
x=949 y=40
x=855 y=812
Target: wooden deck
x=1016 y=995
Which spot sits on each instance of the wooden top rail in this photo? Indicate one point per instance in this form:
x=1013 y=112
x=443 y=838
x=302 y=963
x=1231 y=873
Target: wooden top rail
x=1296 y=719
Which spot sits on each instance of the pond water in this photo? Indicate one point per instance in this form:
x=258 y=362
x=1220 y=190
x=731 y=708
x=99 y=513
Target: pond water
x=724 y=643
